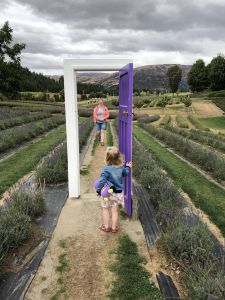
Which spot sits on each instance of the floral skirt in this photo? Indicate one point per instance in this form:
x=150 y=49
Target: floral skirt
x=114 y=200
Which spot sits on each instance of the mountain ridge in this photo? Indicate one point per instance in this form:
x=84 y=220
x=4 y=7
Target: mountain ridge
x=150 y=77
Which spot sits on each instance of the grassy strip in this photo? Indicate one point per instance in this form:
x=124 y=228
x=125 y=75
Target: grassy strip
x=215 y=122
x=109 y=136
x=61 y=269
x=195 y=121
x=95 y=145
x=182 y=122
x=205 y=194
x=24 y=160
x=131 y=278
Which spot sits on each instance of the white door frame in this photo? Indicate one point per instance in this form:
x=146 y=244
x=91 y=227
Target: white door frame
x=71 y=110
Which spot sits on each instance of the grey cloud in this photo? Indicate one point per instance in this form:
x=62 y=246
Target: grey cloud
x=142 y=14
x=93 y=27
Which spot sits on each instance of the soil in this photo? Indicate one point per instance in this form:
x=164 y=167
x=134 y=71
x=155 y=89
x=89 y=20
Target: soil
x=206 y=108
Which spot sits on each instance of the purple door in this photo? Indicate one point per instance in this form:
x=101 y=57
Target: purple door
x=125 y=127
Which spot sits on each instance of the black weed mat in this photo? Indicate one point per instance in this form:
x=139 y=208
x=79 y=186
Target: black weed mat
x=167 y=287
x=147 y=215
x=152 y=233
x=13 y=285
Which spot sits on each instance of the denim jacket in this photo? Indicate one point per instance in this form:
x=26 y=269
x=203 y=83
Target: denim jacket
x=114 y=177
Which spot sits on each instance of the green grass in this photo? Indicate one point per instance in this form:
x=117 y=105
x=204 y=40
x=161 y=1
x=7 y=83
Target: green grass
x=61 y=269
x=195 y=121
x=95 y=145
x=109 y=136
x=25 y=160
x=131 y=280
x=215 y=122
x=205 y=194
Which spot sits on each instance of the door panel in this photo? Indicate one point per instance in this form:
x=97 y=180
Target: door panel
x=125 y=127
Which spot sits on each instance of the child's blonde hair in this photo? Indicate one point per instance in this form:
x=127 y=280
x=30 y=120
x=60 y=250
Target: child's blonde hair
x=113 y=156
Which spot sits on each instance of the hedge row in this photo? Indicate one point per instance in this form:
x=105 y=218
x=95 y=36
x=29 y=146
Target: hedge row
x=15 y=121
x=9 y=138
x=8 y=113
x=189 y=243
x=54 y=169
x=19 y=210
x=147 y=118
x=216 y=141
x=34 y=106
x=208 y=160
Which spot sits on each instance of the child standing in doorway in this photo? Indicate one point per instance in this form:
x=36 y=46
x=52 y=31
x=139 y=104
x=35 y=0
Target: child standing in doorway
x=113 y=174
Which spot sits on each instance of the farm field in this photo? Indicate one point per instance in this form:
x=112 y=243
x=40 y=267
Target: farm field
x=176 y=120
x=200 y=190
x=27 y=136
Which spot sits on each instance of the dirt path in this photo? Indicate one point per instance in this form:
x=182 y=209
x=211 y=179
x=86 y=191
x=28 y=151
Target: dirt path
x=79 y=247
x=206 y=108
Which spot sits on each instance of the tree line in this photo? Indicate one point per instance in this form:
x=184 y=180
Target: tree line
x=211 y=76
x=200 y=76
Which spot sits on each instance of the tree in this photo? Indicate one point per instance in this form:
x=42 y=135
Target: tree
x=187 y=101
x=174 y=75
x=10 y=69
x=217 y=73
x=198 y=78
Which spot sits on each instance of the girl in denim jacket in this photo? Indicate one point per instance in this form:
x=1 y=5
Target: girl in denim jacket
x=113 y=174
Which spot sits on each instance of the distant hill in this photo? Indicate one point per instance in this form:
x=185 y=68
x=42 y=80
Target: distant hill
x=149 y=77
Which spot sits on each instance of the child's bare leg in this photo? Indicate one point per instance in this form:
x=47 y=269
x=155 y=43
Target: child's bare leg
x=114 y=216
x=106 y=216
x=102 y=135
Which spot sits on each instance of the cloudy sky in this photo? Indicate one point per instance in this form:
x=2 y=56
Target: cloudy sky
x=149 y=31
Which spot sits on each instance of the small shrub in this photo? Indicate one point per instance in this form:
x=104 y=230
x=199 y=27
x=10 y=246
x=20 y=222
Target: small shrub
x=115 y=102
x=31 y=203
x=205 y=283
x=189 y=244
x=54 y=169
x=15 y=227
